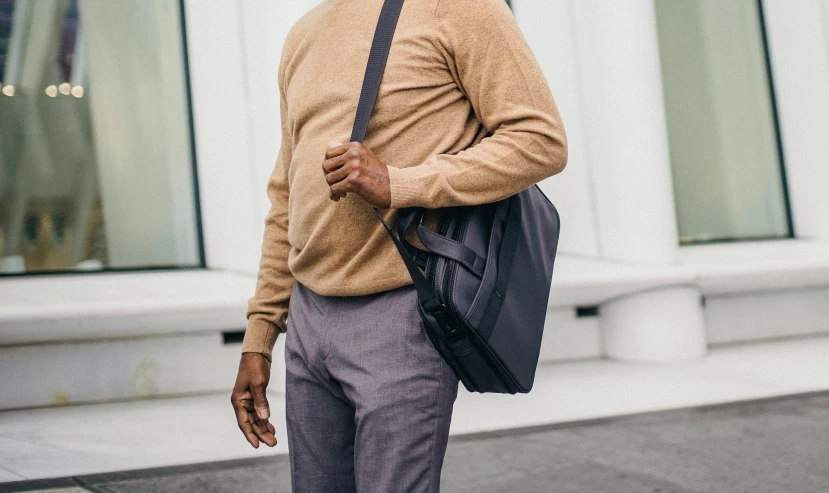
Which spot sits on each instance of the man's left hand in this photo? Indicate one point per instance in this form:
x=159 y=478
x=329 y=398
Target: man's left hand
x=353 y=168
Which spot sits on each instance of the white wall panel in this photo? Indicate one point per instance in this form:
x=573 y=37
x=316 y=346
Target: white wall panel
x=568 y=337
x=235 y=48
x=217 y=67
x=265 y=25
x=548 y=27
x=767 y=315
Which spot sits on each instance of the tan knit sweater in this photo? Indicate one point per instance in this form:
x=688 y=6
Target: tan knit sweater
x=456 y=69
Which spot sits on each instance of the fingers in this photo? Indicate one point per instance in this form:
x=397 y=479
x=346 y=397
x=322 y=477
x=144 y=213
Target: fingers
x=265 y=432
x=334 y=156
x=256 y=430
x=260 y=402
x=334 y=149
x=262 y=430
x=339 y=155
x=249 y=401
x=346 y=167
x=335 y=162
x=340 y=161
x=338 y=175
x=342 y=188
x=245 y=422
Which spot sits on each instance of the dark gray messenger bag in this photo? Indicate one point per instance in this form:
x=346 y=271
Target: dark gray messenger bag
x=483 y=297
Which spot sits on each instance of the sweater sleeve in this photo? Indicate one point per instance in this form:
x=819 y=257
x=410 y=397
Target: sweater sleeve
x=268 y=308
x=494 y=67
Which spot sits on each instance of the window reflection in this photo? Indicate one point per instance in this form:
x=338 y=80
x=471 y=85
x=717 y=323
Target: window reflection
x=95 y=146
x=727 y=172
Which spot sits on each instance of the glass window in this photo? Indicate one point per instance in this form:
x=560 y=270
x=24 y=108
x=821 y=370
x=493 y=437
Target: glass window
x=725 y=154
x=96 y=162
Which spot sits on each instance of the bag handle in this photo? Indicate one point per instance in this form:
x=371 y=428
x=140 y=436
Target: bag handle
x=379 y=54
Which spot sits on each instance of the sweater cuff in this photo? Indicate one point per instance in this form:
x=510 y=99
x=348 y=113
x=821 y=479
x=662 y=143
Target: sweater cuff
x=404 y=188
x=260 y=337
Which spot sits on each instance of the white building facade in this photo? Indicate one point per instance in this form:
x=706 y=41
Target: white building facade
x=694 y=206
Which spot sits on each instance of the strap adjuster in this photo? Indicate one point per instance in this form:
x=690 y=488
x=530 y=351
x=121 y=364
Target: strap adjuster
x=435 y=308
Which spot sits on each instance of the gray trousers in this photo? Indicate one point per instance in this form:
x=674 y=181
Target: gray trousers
x=368 y=398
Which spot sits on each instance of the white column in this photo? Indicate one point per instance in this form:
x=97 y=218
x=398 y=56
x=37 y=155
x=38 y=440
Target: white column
x=548 y=27
x=237 y=118
x=626 y=132
x=799 y=47
x=659 y=325
x=229 y=191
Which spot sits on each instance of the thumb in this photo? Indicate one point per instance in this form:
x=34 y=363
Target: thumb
x=333 y=143
x=260 y=402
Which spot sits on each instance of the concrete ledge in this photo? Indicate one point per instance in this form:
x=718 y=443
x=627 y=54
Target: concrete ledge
x=758 y=266
x=742 y=267
x=90 y=307
x=583 y=281
x=105 y=306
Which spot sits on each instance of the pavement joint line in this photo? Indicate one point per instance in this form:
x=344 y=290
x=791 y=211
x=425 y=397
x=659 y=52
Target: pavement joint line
x=9 y=471
x=35 y=485
x=94 y=488
x=94 y=482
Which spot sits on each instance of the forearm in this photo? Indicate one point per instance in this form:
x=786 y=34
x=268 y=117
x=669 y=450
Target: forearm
x=512 y=159
x=268 y=308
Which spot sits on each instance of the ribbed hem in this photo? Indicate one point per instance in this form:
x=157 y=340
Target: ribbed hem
x=405 y=191
x=260 y=336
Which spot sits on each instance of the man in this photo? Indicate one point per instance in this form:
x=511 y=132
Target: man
x=368 y=398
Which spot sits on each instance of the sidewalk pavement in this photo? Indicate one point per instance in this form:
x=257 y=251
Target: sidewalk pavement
x=768 y=446
x=88 y=439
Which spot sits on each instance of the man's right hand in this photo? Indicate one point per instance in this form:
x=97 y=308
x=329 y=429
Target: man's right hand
x=249 y=400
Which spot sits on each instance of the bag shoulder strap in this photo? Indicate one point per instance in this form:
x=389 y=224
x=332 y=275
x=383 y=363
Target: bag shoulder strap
x=379 y=54
x=380 y=46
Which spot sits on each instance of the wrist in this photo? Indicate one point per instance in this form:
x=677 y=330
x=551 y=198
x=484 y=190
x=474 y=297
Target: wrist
x=255 y=360
x=260 y=337
x=403 y=192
